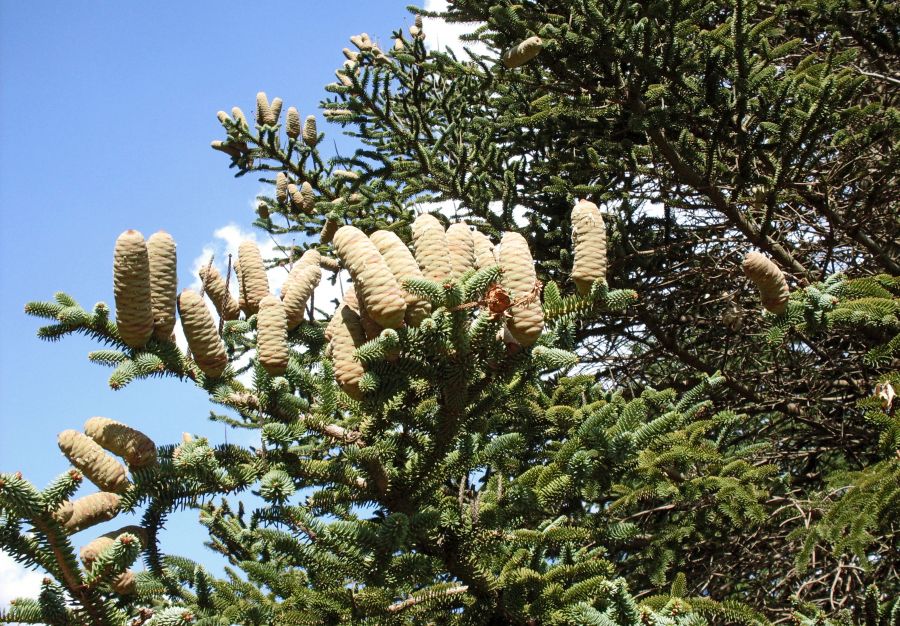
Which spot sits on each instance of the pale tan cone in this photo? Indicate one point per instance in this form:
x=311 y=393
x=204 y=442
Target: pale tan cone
x=281 y=187
x=271 y=337
x=308 y=197
x=523 y=52
x=484 y=250
x=519 y=278
x=462 y=249
x=296 y=197
x=589 y=246
x=370 y=327
x=430 y=243
x=95 y=548
x=92 y=510
x=375 y=283
x=293 y=126
x=310 y=132
x=329 y=228
x=264 y=115
x=253 y=280
x=202 y=335
x=310 y=257
x=163 y=283
x=275 y=108
x=768 y=278
x=331 y=264
x=131 y=286
x=239 y=117
x=97 y=466
x=135 y=447
x=403 y=265
x=215 y=288
x=302 y=281
x=346 y=335
x=64 y=511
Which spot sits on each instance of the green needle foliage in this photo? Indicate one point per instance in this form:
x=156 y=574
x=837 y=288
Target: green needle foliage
x=664 y=454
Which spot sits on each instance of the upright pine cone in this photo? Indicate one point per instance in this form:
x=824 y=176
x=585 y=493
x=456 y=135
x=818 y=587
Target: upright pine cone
x=264 y=115
x=131 y=286
x=375 y=283
x=519 y=280
x=91 y=510
x=281 y=187
x=484 y=250
x=432 y=252
x=329 y=228
x=202 y=334
x=310 y=132
x=135 y=447
x=461 y=246
x=370 y=327
x=98 y=466
x=403 y=265
x=293 y=127
x=523 y=52
x=252 y=277
x=163 y=283
x=271 y=338
x=773 y=289
x=296 y=197
x=302 y=281
x=239 y=117
x=308 y=197
x=275 y=108
x=345 y=335
x=218 y=292
x=589 y=243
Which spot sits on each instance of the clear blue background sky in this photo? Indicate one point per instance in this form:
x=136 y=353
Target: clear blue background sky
x=106 y=114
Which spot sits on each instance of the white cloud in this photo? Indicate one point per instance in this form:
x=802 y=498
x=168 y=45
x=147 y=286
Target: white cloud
x=16 y=581
x=440 y=35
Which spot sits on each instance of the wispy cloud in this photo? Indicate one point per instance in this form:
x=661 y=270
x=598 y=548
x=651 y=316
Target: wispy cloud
x=16 y=581
x=441 y=35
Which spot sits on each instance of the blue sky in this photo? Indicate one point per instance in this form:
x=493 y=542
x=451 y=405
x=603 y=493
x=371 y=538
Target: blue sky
x=106 y=114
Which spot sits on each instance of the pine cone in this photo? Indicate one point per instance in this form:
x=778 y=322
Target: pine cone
x=484 y=250
x=330 y=264
x=310 y=133
x=302 y=281
x=432 y=252
x=91 y=510
x=461 y=246
x=215 y=288
x=293 y=127
x=271 y=338
x=239 y=117
x=329 y=228
x=63 y=512
x=163 y=283
x=281 y=186
x=135 y=447
x=95 y=548
x=519 y=280
x=773 y=289
x=345 y=335
x=307 y=197
x=98 y=466
x=264 y=115
x=252 y=277
x=275 y=109
x=403 y=265
x=296 y=197
x=202 y=334
x=370 y=327
x=523 y=52
x=374 y=281
x=131 y=285
x=589 y=244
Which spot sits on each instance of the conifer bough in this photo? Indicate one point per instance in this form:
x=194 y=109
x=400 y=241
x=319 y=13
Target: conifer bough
x=768 y=278
x=271 y=338
x=131 y=287
x=163 y=283
x=90 y=458
x=589 y=244
x=376 y=286
x=523 y=52
x=202 y=334
x=135 y=447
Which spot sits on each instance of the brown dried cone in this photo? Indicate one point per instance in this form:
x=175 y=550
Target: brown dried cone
x=215 y=288
x=264 y=115
x=252 y=277
x=271 y=337
x=484 y=250
x=403 y=265
x=308 y=198
x=589 y=245
x=98 y=466
x=135 y=447
x=275 y=108
x=293 y=127
x=281 y=187
x=462 y=249
x=523 y=52
x=310 y=132
x=163 y=283
x=329 y=228
x=92 y=510
x=519 y=280
x=202 y=334
x=375 y=283
x=430 y=243
x=302 y=281
x=131 y=285
x=345 y=335
x=773 y=289
x=64 y=511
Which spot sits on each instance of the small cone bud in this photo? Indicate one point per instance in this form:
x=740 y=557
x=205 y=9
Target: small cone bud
x=484 y=250
x=293 y=127
x=462 y=249
x=329 y=228
x=308 y=197
x=350 y=54
x=215 y=288
x=310 y=133
x=275 y=109
x=399 y=45
x=263 y=110
x=589 y=244
x=415 y=31
x=135 y=447
x=281 y=187
x=773 y=289
x=202 y=334
x=346 y=334
x=271 y=339
x=519 y=280
x=302 y=281
x=163 y=283
x=239 y=117
x=254 y=284
x=523 y=52
x=223 y=118
x=345 y=174
x=91 y=510
x=403 y=265
x=375 y=283
x=228 y=149
x=430 y=243
x=97 y=466
x=131 y=285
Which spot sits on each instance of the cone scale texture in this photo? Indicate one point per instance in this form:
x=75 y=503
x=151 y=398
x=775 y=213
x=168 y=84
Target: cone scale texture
x=346 y=335
x=773 y=289
x=92 y=510
x=519 y=278
x=484 y=250
x=215 y=288
x=97 y=466
x=432 y=252
x=403 y=265
x=135 y=447
x=523 y=52
x=589 y=244
x=375 y=284
x=251 y=276
x=131 y=286
x=202 y=334
x=302 y=281
x=163 y=283
x=461 y=246
x=271 y=338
